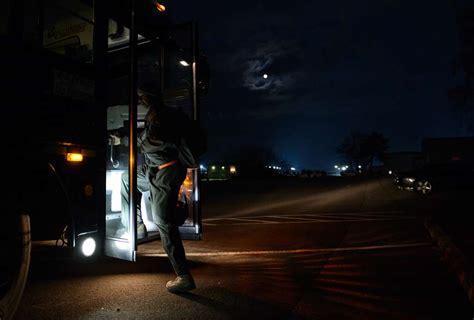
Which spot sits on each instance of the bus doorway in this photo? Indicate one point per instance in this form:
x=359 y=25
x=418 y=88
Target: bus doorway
x=165 y=60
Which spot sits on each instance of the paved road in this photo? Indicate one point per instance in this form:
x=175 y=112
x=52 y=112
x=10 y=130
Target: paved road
x=335 y=249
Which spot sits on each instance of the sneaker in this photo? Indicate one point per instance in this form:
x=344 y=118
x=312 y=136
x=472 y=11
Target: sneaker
x=181 y=284
x=141 y=231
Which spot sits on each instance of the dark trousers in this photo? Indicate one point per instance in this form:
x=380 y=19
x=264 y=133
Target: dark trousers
x=164 y=188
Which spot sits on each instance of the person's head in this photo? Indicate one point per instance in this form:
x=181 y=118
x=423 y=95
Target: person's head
x=149 y=94
x=146 y=98
x=153 y=102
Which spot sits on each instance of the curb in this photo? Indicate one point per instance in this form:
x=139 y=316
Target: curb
x=455 y=259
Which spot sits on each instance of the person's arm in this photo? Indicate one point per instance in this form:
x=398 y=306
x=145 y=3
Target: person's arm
x=115 y=139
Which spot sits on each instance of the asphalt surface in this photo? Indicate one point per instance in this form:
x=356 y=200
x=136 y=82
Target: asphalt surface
x=334 y=248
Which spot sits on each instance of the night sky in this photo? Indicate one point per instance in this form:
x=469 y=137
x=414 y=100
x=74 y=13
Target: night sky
x=332 y=67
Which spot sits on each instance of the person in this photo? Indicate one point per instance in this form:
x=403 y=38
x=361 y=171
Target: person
x=161 y=174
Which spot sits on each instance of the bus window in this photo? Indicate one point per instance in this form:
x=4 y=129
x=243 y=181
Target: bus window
x=68 y=29
x=5 y=17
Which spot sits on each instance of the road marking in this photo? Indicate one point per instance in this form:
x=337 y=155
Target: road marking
x=307 y=221
x=296 y=251
x=308 y=218
x=331 y=214
x=248 y=220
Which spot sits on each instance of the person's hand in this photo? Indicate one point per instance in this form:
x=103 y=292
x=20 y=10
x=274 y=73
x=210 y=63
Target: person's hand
x=114 y=140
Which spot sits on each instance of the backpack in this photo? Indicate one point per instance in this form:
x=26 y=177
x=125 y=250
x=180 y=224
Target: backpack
x=193 y=144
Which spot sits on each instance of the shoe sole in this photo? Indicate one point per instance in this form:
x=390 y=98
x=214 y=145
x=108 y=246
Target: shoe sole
x=181 y=290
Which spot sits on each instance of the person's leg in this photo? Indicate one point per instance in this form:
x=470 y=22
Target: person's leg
x=164 y=195
x=142 y=186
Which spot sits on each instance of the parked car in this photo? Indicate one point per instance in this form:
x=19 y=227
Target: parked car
x=433 y=178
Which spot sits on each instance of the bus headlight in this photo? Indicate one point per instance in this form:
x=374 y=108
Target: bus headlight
x=88 y=247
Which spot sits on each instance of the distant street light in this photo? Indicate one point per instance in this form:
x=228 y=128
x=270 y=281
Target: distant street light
x=336 y=167
x=184 y=63
x=265 y=76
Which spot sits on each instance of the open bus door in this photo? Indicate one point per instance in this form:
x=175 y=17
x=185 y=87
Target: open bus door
x=168 y=60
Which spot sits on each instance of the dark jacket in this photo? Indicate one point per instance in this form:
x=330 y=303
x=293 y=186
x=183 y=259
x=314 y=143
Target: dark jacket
x=159 y=140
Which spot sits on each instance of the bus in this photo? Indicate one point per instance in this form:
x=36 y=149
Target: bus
x=69 y=77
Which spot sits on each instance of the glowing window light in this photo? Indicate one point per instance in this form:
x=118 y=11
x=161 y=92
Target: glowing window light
x=233 y=169
x=121 y=245
x=113 y=182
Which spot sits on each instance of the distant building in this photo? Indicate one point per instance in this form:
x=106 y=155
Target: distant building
x=312 y=174
x=433 y=151
x=219 y=172
x=446 y=150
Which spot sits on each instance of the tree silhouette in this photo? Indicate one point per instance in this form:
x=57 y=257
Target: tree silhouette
x=374 y=147
x=351 y=148
x=362 y=149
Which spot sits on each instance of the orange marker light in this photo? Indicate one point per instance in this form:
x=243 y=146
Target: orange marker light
x=160 y=7
x=74 y=157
